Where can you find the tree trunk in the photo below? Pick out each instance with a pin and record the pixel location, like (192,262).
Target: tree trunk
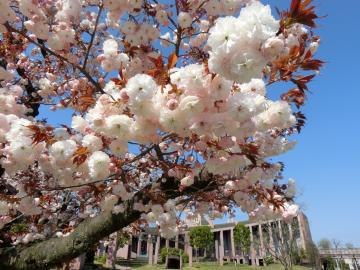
(56,251)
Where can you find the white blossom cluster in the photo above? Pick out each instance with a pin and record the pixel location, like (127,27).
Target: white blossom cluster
(212,109)
(7,14)
(119,7)
(165,218)
(8,99)
(139,34)
(288,213)
(112,59)
(241,47)
(227,7)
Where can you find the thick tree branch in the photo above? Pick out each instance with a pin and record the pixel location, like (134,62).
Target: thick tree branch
(56,251)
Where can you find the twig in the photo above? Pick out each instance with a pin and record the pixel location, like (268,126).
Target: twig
(82,70)
(92,37)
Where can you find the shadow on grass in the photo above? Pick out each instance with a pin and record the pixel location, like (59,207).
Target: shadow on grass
(226,266)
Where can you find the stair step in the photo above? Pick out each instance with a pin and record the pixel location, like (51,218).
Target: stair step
(132,262)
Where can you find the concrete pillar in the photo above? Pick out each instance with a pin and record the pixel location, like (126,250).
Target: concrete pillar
(252,252)
(177,241)
(217,250)
(187,242)
(138,250)
(157,247)
(129,248)
(262,252)
(232,243)
(302,236)
(221,248)
(355,264)
(290,233)
(190,255)
(337,264)
(167,243)
(112,248)
(147,244)
(271,239)
(281,232)
(150,249)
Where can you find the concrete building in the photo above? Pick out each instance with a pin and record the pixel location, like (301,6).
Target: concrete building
(350,256)
(266,237)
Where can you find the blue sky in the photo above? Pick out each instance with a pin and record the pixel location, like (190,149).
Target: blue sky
(325,162)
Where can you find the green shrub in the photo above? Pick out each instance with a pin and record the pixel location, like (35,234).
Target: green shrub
(19,228)
(330,263)
(269,260)
(100,259)
(298,256)
(122,239)
(344,265)
(242,237)
(201,237)
(173,252)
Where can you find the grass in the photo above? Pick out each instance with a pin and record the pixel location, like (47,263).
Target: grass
(216,266)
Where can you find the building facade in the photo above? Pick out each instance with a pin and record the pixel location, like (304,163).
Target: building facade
(350,256)
(266,237)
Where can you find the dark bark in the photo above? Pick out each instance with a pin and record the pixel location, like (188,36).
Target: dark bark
(2,171)
(54,252)
(32,99)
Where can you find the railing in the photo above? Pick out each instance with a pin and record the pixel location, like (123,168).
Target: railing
(340,252)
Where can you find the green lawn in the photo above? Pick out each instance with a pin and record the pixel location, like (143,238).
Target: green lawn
(216,266)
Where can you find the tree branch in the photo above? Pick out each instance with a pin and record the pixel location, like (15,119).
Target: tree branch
(81,69)
(55,251)
(92,37)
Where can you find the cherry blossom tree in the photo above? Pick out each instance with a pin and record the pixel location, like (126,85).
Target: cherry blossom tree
(170,112)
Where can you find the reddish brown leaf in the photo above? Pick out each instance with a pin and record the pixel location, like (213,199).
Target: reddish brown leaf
(302,81)
(80,155)
(300,118)
(172,60)
(300,12)
(312,64)
(295,4)
(41,134)
(296,96)
(158,62)
(119,82)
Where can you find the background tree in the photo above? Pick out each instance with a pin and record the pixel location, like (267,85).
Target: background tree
(242,238)
(173,252)
(336,243)
(312,255)
(325,244)
(349,245)
(122,239)
(201,237)
(280,242)
(168,111)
